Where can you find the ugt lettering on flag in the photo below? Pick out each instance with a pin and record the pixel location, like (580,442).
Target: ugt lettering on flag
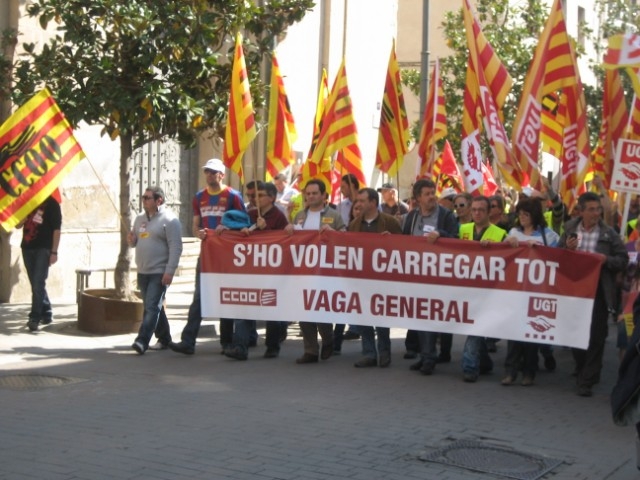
(37,150)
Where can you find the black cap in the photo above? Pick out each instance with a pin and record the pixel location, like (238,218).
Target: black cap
(386,186)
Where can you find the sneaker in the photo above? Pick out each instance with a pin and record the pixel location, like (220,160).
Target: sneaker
(138,347)
(33,325)
(366,362)
(159,346)
(271,353)
(236,353)
(46,321)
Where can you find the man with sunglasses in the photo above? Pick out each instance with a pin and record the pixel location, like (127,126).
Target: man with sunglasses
(157,238)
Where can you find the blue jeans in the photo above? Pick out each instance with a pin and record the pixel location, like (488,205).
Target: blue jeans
(368,337)
(36,262)
(154,318)
(194,319)
(428,350)
(475,357)
(242,333)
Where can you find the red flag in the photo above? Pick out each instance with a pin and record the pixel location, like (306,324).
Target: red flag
(38,151)
(447,168)
(241,129)
(393,135)
(493,83)
(281,131)
(434,125)
(490,186)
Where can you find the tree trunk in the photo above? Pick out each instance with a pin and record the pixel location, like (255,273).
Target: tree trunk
(121,275)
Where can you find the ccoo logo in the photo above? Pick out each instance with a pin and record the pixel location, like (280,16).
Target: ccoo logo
(249,296)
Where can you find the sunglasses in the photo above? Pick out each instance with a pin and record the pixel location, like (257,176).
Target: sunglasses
(148,197)
(460,205)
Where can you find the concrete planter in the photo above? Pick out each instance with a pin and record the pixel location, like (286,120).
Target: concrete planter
(100,313)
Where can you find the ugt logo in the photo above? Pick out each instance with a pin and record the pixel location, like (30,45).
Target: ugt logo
(541,310)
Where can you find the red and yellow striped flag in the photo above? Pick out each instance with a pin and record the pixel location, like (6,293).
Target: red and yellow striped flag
(446,169)
(615,118)
(37,150)
(338,127)
(623,51)
(241,129)
(310,169)
(494,83)
(393,135)
(552,124)
(349,160)
(434,125)
(553,69)
(281,131)
(470,135)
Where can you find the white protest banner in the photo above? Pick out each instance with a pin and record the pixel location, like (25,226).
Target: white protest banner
(534,294)
(625,176)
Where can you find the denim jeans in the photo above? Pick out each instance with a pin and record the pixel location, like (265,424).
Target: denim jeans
(368,336)
(154,318)
(194,317)
(428,350)
(475,357)
(275,331)
(242,333)
(36,262)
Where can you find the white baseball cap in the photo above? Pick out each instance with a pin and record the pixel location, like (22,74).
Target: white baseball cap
(214,164)
(448,192)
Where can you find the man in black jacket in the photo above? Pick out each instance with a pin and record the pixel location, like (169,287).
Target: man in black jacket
(589,233)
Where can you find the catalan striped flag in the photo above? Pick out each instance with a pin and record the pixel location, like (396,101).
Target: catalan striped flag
(471,129)
(623,51)
(553,69)
(321,170)
(494,83)
(632,131)
(393,135)
(338,128)
(434,125)
(37,150)
(615,118)
(349,160)
(552,124)
(281,131)
(241,129)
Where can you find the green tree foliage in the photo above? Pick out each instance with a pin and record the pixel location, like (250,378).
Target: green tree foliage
(148,70)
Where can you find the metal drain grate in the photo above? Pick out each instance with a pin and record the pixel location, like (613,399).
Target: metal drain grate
(480,457)
(35,382)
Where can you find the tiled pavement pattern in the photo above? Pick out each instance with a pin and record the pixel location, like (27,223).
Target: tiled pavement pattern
(168,416)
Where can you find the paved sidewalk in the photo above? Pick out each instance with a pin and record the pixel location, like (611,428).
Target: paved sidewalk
(166,416)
